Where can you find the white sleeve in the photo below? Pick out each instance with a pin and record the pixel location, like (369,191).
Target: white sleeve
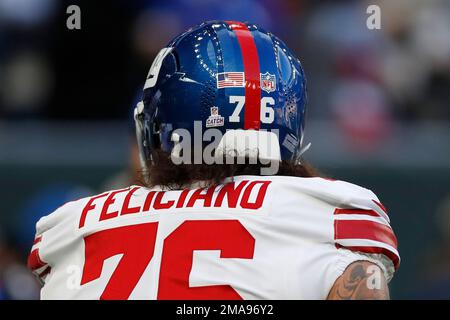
(48,238)
(362,231)
(327,264)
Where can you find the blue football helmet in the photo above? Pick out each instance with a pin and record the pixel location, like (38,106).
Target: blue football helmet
(229,76)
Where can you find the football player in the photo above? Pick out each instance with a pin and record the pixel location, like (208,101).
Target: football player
(229,209)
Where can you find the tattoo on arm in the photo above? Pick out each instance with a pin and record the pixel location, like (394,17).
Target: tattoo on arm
(362,280)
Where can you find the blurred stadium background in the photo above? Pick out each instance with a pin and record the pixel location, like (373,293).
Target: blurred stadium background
(379,110)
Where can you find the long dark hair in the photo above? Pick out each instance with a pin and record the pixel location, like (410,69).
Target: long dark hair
(164,173)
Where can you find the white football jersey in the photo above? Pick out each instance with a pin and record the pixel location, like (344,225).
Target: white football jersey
(252,238)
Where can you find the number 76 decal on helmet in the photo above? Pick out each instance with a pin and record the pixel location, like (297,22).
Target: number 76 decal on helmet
(267,113)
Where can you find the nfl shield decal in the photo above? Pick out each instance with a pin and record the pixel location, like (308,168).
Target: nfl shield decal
(268,82)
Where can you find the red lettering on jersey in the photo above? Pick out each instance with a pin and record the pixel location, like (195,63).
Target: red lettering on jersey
(128,241)
(126,203)
(228,236)
(231,192)
(198,195)
(148,200)
(89,206)
(182,198)
(245,201)
(187,199)
(105,215)
(160,205)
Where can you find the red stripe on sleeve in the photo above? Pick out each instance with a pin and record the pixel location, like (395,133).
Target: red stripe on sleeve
(37,240)
(34,261)
(356,211)
(250,58)
(379,204)
(45,272)
(364,229)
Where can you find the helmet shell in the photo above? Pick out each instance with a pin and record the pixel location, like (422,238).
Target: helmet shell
(207,73)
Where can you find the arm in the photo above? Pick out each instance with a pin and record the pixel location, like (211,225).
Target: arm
(362,280)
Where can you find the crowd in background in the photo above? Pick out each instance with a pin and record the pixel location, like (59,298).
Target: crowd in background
(400,73)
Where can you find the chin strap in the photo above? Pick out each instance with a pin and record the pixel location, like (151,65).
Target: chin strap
(138,111)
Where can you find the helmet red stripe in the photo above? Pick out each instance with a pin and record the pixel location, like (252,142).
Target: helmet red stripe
(252,75)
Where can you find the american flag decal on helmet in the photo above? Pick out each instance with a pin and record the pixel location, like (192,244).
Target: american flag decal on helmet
(230,80)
